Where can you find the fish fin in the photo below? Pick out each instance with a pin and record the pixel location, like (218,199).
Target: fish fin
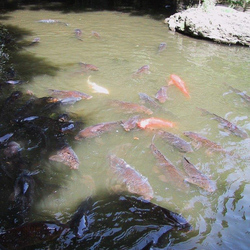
(170,82)
(56,158)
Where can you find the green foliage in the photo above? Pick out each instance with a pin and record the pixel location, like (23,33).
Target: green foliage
(238,3)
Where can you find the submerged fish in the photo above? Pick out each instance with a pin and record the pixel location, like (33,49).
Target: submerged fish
(51,21)
(177,81)
(131,107)
(149,100)
(201,140)
(97,130)
(86,67)
(153,123)
(244,96)
(78,34)
(162,47)
(142,70)
(175,141)
(68,94)
(171,173)
(227,124)
(12,149)
(196,177)
(31,233)
(34,41)
(161,95)
(96,88)
(131,123)
(131,179)
(67,156)
(95,34)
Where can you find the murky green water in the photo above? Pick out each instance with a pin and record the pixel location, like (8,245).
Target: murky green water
(219,219)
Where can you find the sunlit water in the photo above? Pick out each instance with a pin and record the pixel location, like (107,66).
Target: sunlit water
(219,219)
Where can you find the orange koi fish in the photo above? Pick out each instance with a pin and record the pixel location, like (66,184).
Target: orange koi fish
(153,123)
(176,80)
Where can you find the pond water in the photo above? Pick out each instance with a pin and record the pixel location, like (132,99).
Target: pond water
(220,219)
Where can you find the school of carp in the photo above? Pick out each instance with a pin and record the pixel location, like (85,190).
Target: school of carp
(46,132)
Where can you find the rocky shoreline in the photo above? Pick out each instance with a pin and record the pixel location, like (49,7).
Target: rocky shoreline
(220,24)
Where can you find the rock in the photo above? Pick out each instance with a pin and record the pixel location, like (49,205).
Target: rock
(220,24)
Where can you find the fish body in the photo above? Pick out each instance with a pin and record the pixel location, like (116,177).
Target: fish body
(201,140)
(12,149)
(171,173)
(95,34)
(142,70)
(162,47)
(51,21)
(96,130)
(175,141)
(153,123)
(88,67)
(31,233)
(244,96)
(69,94)
(96,88)
(35,41)
(131,107)
(196,177)
(131,123)
(67,156)
(149,100)
(133,181)
(78,34)
(177,81)
(161,95)
(227,125)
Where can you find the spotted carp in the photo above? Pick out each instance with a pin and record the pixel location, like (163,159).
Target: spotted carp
(201,140)
(152,123)
(227,124)
(174,140)
(67,156)
(129,178)
(98,129)
(161,95)
(131,123)
(68,94)
(196,177)
(131,107)
(178,82)
(142,70)
(244,96)
(31,233)
(171,173)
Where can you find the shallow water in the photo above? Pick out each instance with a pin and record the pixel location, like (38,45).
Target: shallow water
(219,219)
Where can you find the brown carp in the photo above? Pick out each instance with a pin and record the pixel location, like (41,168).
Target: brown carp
(244,96)
(227,124)
(171,173)
(203,141)
(196,177)
(127,177)
(142,70)
(175,141)
(131,123)
(96,130)
(161,95)
(67,94)
(31,233)
(131,107)
(67,156)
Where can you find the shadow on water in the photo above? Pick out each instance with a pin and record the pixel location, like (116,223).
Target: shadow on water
(26,64)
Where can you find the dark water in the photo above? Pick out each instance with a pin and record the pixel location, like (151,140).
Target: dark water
(219,219)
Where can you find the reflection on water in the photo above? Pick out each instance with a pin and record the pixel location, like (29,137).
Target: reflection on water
(126,43)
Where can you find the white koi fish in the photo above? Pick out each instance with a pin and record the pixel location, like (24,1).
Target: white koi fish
(96,88)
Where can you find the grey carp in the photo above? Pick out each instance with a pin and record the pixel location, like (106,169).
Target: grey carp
(131,123)
(131,179)
(161,95)
(131,107)
(162,47)
(196,177)
(149,100)
(174,140)
(227,125)
(96,130)
(142,70)
(244,96)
